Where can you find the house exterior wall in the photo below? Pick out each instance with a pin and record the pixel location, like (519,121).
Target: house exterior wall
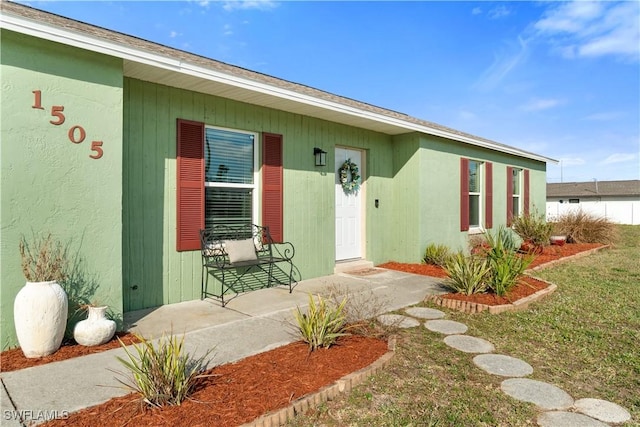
(161,274)
(48,183)
(439,221)
(621,210)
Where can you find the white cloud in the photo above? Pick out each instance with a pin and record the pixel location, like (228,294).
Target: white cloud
(498,12)
(174,34)
(502,65)
(476,11)
(593,29)
(618,158)
(541,104)
(249,4)
(227,30)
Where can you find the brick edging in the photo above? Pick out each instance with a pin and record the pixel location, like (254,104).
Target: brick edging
(570,258)
(473,307)
(280,416)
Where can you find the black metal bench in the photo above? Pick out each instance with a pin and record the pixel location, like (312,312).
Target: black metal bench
(244,257)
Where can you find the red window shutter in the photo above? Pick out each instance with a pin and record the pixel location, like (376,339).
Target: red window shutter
(464,194)
(190,174)
(272,185)
(526,192)
(509,195)
(488,195)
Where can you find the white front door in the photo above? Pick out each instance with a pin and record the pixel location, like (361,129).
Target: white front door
(348,210)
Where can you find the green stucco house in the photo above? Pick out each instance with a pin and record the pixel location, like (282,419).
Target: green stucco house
(124,149)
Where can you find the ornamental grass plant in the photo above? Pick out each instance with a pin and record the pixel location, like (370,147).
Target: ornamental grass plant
(322,324)
(43,259)
(582,227)
(162,373)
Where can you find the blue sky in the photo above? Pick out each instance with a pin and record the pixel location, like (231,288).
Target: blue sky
(561,79)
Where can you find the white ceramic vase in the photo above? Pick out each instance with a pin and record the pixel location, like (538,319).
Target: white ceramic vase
(40,318)
(96,329)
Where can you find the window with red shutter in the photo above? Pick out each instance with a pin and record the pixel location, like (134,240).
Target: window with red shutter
(190,176)
(272,185)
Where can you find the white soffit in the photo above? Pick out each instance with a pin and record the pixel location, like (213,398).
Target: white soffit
(148,66)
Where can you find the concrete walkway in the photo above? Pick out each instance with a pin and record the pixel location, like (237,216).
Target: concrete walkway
(560,409)
(252,323)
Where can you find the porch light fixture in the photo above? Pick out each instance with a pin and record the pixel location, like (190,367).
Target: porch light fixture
(321,156)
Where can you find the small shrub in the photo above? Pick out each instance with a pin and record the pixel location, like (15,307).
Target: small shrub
(582,227)
(467,274)
(436,255)
(534,228)
(323,324)
(162,374)
(43,259)
(360,311)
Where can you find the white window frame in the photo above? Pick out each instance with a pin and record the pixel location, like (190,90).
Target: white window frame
(517,195)
(255,199)
(477,228)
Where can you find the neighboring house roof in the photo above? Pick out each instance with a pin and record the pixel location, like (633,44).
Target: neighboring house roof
(157,63)
(594,188)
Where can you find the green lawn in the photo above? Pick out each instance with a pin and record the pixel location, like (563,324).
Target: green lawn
(584,338)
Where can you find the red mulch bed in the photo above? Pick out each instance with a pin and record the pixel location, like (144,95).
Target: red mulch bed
(12,360)
(241,392)
(526,287)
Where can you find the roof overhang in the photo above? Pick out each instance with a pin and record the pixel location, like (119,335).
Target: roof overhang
(146,65)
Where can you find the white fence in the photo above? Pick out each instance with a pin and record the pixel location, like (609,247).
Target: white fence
(621,212)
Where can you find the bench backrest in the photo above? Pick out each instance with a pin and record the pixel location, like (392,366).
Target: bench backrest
(214,241)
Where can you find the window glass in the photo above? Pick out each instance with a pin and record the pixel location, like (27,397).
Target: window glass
(229,177)
(474,193)
(228,156)
(474,210)
(474,179)
(516,181)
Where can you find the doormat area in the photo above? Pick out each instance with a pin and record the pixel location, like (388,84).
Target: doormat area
(365,272)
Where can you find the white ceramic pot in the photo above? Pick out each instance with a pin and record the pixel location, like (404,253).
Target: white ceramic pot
(40,318)
(96,329)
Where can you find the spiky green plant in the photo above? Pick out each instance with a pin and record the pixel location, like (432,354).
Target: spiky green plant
(467,274)
(162,374)
(322,324)
(505,271)
(436,255)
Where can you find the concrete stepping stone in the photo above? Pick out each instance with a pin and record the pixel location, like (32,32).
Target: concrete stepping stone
(602,410)
(567,419)
(506,366)
(447,327)
(544,395)
(424,313)
(398,320)
(469,344)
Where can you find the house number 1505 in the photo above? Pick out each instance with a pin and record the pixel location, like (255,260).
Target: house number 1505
(76,133)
